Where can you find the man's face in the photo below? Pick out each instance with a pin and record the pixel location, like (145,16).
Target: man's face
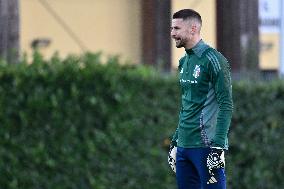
(180,32)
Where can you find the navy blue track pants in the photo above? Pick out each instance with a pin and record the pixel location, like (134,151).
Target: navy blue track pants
(192,172)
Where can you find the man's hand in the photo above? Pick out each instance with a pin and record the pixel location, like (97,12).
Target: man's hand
(215,159)
(172,157)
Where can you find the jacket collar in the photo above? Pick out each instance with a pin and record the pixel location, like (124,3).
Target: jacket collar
(198,49)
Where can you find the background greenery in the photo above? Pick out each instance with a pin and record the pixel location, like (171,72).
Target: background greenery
(83,123)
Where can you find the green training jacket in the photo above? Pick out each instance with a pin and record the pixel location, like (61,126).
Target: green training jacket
(206,102)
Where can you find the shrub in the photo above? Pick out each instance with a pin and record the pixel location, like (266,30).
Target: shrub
(83,123)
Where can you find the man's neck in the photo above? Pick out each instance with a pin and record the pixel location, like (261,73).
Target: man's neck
(193,42)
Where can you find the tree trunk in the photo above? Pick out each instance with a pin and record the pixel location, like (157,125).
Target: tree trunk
(9,30)
(156,42)
(237,33)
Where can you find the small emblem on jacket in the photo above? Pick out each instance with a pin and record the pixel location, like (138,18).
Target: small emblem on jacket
(196,71)
(181,71)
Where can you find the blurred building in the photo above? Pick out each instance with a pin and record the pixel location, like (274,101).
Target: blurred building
(269,27)
(115,27)
(75,26)
(136,30)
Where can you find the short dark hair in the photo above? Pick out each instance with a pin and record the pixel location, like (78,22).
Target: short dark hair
(187,14)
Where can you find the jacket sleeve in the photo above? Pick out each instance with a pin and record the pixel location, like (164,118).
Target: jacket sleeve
(219,70)
(174,138)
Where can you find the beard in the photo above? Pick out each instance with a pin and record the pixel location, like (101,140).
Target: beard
(180,43)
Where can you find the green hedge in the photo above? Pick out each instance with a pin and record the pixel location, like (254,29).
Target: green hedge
(77,123)
(256,157)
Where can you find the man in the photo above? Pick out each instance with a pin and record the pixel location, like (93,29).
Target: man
(206,107)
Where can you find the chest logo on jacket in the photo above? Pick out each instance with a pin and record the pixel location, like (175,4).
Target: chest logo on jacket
(196,71)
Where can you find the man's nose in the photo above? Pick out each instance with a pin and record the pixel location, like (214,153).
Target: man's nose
(173,33)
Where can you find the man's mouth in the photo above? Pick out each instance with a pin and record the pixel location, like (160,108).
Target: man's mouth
(177,40)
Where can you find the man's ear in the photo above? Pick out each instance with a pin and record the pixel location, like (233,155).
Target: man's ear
(193,29)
